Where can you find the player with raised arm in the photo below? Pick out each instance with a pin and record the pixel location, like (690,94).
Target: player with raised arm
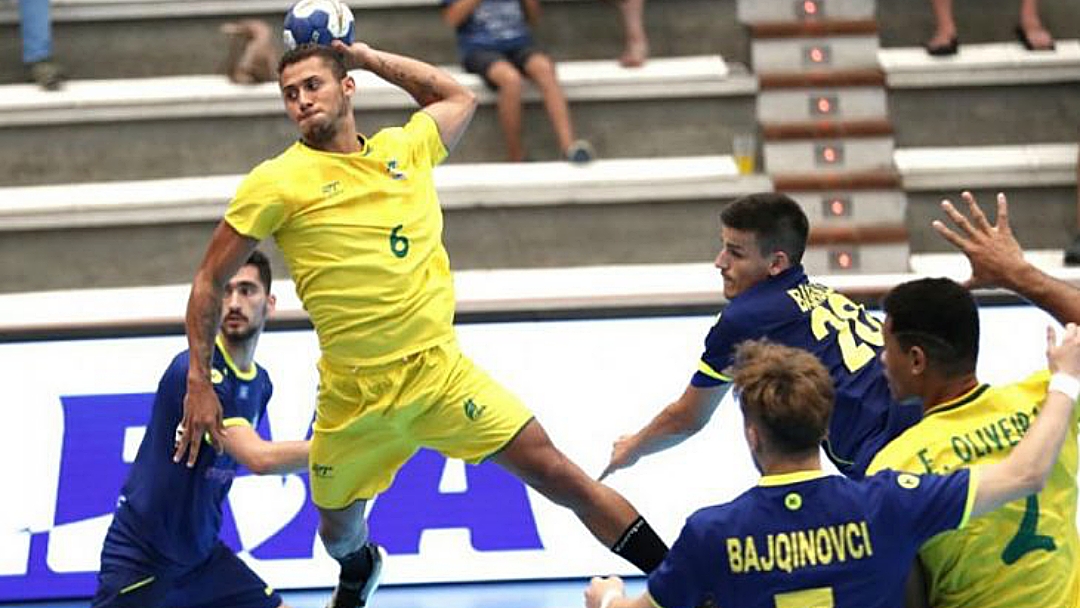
(360,225)
(764,237)
(803,538)
(1027,553)
(162,549)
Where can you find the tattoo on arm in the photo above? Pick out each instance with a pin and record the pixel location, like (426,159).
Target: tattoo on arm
(203,324)
(425,83)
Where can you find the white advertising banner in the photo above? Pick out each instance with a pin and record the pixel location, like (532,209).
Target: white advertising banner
(73,415)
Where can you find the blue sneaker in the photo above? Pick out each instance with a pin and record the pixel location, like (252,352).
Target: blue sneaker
(580,152)
(348,595)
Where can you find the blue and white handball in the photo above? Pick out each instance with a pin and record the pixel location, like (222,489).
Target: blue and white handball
(318,22)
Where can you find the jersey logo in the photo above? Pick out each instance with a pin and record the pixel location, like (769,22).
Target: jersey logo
(908,481)
(242,394)
(331,188)
(216,376)
(392,169)
(323,471)
(472,410)
(793,501)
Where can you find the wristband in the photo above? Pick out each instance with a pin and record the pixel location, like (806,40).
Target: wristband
(1065,384)
(609,597)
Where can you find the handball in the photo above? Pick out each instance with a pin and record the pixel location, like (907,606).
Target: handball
(318,22)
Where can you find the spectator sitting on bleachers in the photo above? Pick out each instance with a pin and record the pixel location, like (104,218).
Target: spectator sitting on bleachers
(252,55)
(495,43)
(35,28)
(1029,29)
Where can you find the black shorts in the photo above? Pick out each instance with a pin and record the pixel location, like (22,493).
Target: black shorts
(478,61)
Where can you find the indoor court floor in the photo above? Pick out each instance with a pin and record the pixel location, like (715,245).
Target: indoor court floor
(527,594)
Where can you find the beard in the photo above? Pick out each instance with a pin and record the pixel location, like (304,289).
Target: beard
(322,134)
(240,334)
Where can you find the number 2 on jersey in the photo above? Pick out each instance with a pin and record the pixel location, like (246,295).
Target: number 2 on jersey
(1027,538)
(855,330)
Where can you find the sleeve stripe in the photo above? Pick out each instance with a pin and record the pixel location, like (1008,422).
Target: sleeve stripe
(235,422)
(710,372)
(973,487)
(652,600)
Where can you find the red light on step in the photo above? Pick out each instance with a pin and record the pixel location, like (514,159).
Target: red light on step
(817,54)
(838,207)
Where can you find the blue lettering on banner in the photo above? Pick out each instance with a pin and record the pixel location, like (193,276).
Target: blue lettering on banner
(494,508)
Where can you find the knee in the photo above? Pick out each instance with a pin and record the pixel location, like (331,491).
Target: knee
(341,538)
(508,83)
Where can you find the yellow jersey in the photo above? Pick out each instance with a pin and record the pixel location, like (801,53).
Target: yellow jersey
(1025,554)
(362,235)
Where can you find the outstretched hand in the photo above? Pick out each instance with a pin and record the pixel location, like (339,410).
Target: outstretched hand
(358,55)
(991,249)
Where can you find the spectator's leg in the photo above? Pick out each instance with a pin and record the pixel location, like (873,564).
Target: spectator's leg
(636,41)
(35,26)
(944,25)
(541,70)
(507,80)
(1030,28)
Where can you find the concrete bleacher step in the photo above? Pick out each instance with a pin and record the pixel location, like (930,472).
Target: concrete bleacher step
(828,147)
(103,39)
(198,125)
(790,47)
(772,11)
(797,104)
(542,214)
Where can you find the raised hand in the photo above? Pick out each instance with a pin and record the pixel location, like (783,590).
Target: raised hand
(991,249)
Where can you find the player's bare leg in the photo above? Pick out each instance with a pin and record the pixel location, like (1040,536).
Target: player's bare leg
(534,459)
(508,80)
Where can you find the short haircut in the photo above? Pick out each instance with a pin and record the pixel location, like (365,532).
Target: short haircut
(777,222)
(259,260)
(331,58)
(785,390)
(940,317)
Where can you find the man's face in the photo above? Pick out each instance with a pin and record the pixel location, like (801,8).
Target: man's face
(314,99)
(897,364)
(245,306)
(740,261)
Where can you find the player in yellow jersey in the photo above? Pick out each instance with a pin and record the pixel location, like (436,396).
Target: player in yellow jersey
(359,223)
(1027,553)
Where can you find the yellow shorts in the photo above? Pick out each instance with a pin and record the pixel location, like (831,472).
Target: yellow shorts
(370,420)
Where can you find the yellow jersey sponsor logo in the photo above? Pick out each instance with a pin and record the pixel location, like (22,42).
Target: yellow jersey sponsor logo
(216,376)
(793,501)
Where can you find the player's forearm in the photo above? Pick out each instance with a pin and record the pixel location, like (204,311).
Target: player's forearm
(280,457)
(201,324)
(1056,297)
(1027,468)
(674,425)
(456,14)
(426,83)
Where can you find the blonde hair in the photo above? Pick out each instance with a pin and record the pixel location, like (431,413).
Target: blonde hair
(786,391)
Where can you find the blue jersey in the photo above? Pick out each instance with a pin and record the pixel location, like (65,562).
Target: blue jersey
(495,25)
(168,516)
(807,539)
(788,309)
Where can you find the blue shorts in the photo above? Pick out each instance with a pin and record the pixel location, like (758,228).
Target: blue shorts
(222,581)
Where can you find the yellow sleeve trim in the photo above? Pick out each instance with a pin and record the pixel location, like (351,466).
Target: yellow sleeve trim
(710,372)
(138,585)
(974,475)
(235,422)
(652,600)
